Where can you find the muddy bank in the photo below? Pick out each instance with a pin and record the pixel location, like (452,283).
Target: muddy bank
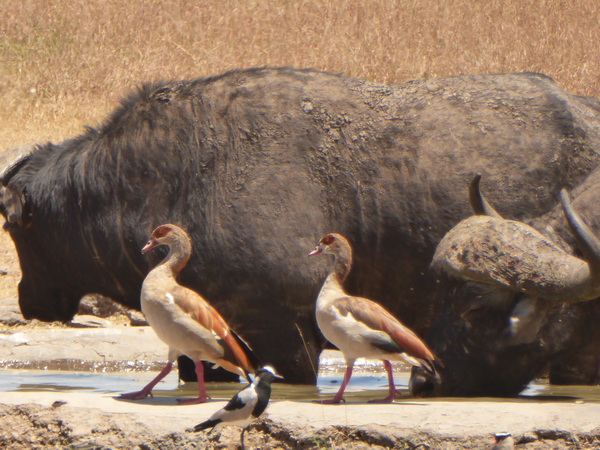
(95,420)
(33,425)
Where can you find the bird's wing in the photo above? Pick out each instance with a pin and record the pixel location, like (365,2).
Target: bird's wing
(244,397)
(210,423)
(202,312)
(236,411)
(239,409)
(378,318)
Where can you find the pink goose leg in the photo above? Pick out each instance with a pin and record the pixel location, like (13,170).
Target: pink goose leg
(340,394)
(392,391)
(202,396)
(148,389)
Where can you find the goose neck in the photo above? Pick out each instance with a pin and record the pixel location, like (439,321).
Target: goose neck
(177,258)
(341,266)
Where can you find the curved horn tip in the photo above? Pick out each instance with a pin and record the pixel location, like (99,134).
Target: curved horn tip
(479,204)
(587,241)
(475,196)
(12,161)
(474,186)
(565,198)
(571,215)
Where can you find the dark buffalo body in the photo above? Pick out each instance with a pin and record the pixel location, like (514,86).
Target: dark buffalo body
(258,164)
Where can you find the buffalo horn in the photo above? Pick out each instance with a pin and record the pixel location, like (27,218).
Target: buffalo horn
(12,161)
(513,255)
(586,240)
(479,204)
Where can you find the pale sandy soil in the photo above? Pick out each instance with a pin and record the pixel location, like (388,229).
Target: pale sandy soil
(99,420)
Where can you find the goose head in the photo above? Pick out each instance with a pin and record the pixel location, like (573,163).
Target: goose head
(333,244)
(167,234)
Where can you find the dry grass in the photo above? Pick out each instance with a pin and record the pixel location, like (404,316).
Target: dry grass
(64,63)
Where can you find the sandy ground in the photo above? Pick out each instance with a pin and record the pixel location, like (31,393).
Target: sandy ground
(102,420)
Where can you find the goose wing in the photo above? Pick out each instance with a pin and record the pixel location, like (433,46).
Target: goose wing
(377,318)
(208,317)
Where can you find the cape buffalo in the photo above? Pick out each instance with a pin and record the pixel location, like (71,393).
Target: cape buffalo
(258,164)
(516,297)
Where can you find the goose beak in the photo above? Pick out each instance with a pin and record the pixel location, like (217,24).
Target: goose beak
(150,245)
(316,251)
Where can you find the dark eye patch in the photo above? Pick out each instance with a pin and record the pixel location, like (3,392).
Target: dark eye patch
(328,240)
(161,231)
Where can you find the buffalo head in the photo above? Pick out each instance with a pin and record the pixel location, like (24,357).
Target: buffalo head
(15,206)
(510,300)
(48,239)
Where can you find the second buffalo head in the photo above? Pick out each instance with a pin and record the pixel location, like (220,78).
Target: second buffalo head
(510,301)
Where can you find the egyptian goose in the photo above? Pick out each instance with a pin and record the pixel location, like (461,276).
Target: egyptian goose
(184,321)
(249,403)
(359,327)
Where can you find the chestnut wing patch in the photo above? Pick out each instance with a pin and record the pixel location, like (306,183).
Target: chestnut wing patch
(374,316)
(200,310)
(236,350)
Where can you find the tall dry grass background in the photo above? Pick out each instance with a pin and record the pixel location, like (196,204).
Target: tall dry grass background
(65,63)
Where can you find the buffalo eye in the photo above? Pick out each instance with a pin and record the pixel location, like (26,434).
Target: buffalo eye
(476,298)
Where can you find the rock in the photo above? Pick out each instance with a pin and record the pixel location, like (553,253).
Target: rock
(10,314)
(99,306)
(87,321)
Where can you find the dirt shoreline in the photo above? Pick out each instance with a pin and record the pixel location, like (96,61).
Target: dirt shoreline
(46,419)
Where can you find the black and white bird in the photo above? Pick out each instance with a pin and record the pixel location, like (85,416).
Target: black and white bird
(249,403)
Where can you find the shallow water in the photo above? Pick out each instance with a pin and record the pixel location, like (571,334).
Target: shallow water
(365,385)
(116,383)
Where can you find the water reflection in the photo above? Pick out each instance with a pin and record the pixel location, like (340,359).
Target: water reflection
(365,385)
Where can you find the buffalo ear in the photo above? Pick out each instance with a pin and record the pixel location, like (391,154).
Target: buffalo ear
(13,205)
